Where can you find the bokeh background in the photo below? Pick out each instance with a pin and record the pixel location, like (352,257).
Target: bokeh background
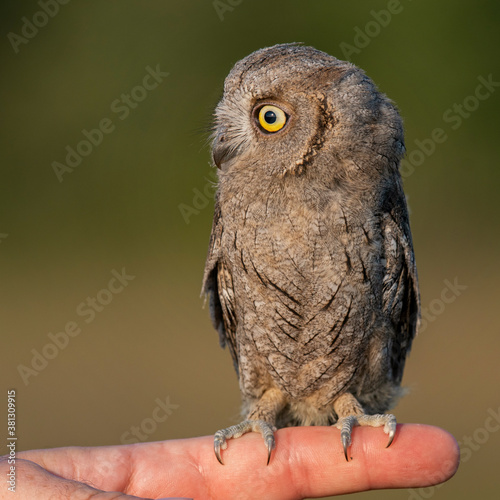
(142,200)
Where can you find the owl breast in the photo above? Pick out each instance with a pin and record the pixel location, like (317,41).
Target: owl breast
(302,275)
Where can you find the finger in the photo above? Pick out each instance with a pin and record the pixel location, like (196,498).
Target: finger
(33,481)
(145,470)
(419,456)
(310,461)
(105,467)
(307,462)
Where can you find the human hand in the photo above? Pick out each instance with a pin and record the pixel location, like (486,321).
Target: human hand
(307,462)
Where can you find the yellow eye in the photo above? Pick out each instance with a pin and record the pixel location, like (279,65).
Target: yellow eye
(272,118)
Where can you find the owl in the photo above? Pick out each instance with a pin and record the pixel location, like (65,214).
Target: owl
(310,273)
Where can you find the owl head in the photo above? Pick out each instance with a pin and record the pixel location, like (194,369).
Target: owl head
(291,109)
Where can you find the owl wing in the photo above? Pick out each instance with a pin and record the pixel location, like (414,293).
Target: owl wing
(218,285)
(401,300)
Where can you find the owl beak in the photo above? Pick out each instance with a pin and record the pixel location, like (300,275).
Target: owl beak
(221,151)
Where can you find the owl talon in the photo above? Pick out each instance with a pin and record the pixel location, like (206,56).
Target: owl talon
(390,427)
(219,443)
(235,431)
(269,449)
(270,443)
(345,445)
(391,438)
(346,424)
(217,454)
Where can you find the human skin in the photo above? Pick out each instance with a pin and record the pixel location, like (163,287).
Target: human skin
(308,462)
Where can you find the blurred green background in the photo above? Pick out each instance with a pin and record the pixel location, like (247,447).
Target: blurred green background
(121,208)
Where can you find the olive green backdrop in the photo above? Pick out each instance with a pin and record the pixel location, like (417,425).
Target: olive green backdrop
(139,202)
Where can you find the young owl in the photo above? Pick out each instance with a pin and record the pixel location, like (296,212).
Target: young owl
(310,270)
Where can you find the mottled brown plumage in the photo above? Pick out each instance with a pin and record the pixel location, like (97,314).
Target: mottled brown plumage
(310,270)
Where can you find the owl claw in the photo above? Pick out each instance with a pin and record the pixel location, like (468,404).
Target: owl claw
(345,445)
(270,445)
(390,428)
(217,454)
(220,443)
(346,424)
(391,439)
(235,431)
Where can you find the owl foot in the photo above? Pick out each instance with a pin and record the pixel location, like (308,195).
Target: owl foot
(346,424)
(235,431)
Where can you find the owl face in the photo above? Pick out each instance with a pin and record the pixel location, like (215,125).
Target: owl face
(289,108)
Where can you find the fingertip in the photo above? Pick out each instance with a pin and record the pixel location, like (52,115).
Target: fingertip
(420,455)
(438,451)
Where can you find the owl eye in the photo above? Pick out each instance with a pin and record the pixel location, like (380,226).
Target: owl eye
(271,118)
